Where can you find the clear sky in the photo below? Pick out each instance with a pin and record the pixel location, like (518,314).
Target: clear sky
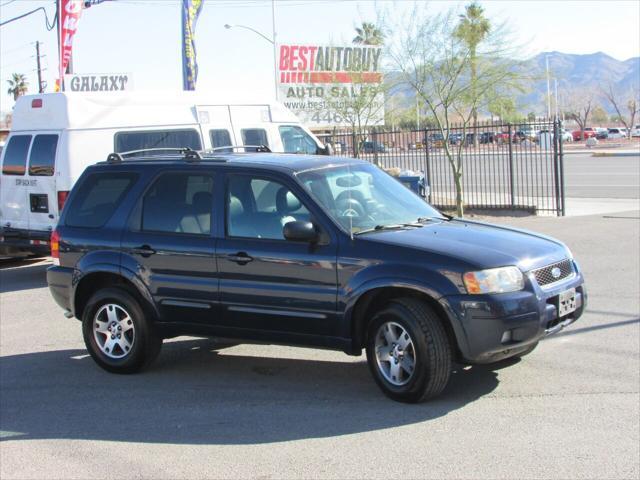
(142,37)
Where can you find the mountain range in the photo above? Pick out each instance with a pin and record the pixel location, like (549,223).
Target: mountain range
(573,73)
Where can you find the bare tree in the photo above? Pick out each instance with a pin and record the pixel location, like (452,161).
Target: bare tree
(579,107)
(434,61)
(626,105)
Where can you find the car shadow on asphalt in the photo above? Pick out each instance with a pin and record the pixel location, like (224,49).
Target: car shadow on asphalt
(23,275)
(200,393)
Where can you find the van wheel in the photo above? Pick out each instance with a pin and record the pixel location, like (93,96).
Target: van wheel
(408,351)
(117,333)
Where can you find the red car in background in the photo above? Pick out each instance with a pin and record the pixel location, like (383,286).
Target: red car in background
(588,133)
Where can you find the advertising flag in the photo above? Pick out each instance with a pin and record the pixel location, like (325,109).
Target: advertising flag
(190,12)
(70,11)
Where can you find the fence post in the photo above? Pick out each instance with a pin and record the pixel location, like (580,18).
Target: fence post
(354,146)
(561,160)
(376,160)
(512,183)
(556,169)
(427,183)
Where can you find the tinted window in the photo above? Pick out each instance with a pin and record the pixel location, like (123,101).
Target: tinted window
(15,158)
(254,136)
(179,203)
(128,141)
(220,138)
(97,198)
(296,140)
(43,155)
(259,208)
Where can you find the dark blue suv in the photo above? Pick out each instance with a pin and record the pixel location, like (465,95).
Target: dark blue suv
(293,249)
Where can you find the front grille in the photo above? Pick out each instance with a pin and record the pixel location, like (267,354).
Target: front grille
(544,276)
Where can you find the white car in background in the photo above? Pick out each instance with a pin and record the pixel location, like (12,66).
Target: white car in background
(636,131)
(617,132)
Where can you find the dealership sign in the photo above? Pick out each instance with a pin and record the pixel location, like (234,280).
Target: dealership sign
(111,82)
(329,86)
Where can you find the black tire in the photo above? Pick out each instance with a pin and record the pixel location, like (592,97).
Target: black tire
(146,345)
(431,348)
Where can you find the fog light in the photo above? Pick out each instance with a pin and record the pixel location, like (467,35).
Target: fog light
(506,337)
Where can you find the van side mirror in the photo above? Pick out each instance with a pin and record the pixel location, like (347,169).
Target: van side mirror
(326,150)
(300,231)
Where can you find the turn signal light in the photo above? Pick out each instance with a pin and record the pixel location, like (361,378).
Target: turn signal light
(55,247)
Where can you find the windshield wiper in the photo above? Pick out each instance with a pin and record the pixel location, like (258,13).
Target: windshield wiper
(430,219)
(393,226)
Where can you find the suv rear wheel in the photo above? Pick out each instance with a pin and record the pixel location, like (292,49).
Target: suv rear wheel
(118,335)
(408,351)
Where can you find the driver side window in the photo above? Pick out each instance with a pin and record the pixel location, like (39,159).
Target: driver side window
(260,208)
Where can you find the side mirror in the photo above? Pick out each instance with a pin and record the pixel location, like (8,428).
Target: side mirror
(299,231)
(326,150)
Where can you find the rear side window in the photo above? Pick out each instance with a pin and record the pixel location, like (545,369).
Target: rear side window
(128,141)
(97,198)
(15,158)
(255,137)
(220,138)
(43,155)
(179,203)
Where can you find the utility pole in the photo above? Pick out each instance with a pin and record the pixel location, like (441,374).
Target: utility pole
(275,54)
(40,87)
(548,89)
(555,86)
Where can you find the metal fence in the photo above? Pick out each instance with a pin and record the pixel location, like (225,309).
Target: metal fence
(504,166)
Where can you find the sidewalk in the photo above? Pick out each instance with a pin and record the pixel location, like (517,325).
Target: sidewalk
(596,152)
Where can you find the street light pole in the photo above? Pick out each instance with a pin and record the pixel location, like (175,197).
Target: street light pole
(271,41)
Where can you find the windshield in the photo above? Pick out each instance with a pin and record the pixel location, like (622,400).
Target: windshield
(362,197)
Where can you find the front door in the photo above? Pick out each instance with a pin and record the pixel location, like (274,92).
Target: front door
(170,242)
(266,282)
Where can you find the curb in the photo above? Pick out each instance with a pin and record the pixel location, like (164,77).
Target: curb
(615,154)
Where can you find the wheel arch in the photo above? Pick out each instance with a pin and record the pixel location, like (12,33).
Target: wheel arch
(376,297)
(111,276)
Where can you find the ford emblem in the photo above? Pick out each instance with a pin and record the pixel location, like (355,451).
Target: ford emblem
(556,272)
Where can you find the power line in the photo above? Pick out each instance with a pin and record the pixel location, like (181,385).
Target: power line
(46,17)
(7,3)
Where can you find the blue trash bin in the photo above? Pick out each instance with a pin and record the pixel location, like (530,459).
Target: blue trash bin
(415,183)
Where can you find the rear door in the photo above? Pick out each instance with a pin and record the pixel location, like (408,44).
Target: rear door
(13,194)
(170,240)
(41,196)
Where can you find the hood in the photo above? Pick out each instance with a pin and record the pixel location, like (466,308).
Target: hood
(481,245)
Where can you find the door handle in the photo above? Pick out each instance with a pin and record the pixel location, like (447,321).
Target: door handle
(145,251)
(241,258)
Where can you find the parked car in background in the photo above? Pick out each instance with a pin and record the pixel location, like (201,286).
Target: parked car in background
(636,131)
(434,140)
(522,135)
(589,132)
(502,137)
(616,132)
(487,137)
(372,147)
(455,138)
(566,135)
(602,133)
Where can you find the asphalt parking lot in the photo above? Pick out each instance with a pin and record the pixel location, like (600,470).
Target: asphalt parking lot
(211,410)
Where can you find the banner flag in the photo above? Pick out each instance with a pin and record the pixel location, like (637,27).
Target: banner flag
(70,11)
(190,12)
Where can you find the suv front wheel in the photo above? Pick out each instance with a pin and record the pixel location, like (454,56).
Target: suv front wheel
(408,351)
(118,335)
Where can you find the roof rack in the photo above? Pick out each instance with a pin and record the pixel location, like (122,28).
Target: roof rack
(187,153)
(259,148)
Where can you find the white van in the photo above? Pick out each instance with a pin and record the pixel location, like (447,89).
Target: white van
(54,137)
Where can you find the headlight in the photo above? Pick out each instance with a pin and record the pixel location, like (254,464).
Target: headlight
(494,280)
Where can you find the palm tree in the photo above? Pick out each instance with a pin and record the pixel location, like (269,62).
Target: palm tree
(472,29)
(368,34)
(18,85)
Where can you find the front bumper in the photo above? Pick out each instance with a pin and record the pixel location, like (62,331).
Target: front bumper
(16,241)
(495,327)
